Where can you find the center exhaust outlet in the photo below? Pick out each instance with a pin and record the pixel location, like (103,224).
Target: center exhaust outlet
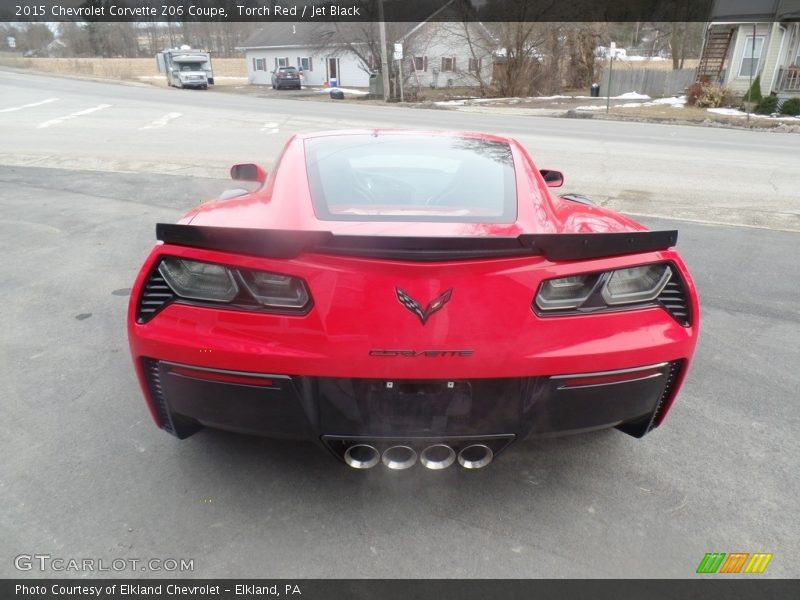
(475,456)
(438,456)
(399,457)
(362,456)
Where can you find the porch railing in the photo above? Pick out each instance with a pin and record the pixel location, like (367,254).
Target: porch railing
(789,79)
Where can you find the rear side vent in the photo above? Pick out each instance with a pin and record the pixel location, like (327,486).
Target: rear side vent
(156,294)
(669,387)
(176,424)
(675,299)
(153,376)
(639,427)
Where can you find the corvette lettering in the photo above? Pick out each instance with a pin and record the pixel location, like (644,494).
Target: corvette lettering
(428,353)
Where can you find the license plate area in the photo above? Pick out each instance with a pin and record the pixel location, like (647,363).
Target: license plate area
(386,407)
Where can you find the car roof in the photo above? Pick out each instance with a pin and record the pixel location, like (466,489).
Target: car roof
(406,132)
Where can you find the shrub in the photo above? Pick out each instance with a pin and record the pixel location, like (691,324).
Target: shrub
(754,94)
(791,107)
(767,105)
(693,93)
(714,96)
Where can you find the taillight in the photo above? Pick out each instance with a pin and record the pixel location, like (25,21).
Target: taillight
(603,290)
(235,286)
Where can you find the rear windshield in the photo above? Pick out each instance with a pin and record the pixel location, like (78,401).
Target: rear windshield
(387,177)
(287,69)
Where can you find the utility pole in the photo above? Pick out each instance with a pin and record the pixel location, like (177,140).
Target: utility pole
(612,49)
(384,60)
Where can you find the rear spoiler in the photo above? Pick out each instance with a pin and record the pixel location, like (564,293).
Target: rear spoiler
(275,243)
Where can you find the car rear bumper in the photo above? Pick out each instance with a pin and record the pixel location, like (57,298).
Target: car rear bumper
(185,398)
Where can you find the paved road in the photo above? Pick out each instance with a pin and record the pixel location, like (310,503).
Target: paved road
(85,473)
(697,173)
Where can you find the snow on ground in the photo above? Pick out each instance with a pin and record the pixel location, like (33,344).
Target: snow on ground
(451,103)
(735,112)
(639,58)
(631,96)
(593,107)
(730,112)
(328,90)
(679,102)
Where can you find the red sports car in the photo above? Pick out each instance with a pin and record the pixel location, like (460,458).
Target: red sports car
(405,297)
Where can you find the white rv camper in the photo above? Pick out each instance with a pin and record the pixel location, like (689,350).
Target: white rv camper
(186,68)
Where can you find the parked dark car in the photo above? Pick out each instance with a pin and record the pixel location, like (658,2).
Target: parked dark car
(286,77)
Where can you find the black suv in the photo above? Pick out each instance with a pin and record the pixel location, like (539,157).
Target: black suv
(286,77)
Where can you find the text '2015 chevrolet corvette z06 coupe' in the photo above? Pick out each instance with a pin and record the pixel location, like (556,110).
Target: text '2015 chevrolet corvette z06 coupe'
(410,297)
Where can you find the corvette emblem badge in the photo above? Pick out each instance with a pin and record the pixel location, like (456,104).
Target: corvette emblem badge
(435,305)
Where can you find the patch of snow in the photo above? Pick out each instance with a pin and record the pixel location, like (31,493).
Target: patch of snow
(631,105)
(735,112)
(679,101)
(595,107)
(341,89)
(631,96)
(731,112)
(451,103)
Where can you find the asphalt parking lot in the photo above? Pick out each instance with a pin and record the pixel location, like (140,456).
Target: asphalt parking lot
(86,473)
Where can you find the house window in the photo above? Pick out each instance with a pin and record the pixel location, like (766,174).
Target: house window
(448,63)
(474,65)
(420,63)
(751,56)
(281,62)
(259,64)
(797,58)
(305,63)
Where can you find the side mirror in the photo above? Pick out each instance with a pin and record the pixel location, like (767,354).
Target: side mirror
(248,172)
(552,178)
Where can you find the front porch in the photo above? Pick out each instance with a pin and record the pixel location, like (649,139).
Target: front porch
(788,82)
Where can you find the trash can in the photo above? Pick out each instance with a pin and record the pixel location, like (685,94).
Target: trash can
(334,82)
(594,92)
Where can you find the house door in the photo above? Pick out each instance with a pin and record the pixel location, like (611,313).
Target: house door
(333,70)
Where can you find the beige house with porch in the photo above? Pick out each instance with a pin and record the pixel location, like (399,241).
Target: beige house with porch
(748,38)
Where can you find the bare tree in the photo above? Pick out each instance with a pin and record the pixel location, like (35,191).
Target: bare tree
(520,56)
(35,36)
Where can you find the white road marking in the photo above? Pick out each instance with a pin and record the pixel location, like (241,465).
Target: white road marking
(161,121)
(31,105)
(270,128)
(72,116)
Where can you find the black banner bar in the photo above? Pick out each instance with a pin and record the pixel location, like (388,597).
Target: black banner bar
(232,11)
(739,588)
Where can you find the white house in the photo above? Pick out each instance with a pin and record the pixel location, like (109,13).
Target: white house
(436,54)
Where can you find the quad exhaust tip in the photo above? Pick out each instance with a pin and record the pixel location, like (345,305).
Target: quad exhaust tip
(475,456)
(362,456)
(438,456)
(435,457)
(398,458)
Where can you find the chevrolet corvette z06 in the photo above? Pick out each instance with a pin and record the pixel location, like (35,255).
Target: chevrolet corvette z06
(407,298)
